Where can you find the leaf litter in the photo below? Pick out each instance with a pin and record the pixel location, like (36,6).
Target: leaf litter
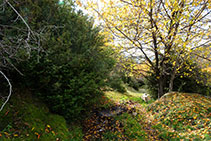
(178,116)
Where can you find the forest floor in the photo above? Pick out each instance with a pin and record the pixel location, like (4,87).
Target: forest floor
(116,116)
(177,116)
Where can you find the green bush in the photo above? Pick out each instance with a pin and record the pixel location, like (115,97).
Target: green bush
(133,82)
(197,82)
(115,82)
(190,85)
(74,65)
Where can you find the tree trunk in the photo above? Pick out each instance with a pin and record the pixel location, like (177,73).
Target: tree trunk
(171,83)
(160,87)
(173,74)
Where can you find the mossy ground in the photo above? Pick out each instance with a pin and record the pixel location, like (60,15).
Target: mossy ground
(26,118)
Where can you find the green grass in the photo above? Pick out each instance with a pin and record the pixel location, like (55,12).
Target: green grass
(26,118)
(133,130)
(111,136)
(130,94)
(132,127)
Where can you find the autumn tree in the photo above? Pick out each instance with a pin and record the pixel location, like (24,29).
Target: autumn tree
(162,31)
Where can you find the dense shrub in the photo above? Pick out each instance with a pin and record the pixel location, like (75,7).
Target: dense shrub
(133,82)
(74,65)
(191,85)
(196,82)
(115,82)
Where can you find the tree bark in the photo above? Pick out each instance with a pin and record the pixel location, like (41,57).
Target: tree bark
(160,86)
(171,83)
(173,73)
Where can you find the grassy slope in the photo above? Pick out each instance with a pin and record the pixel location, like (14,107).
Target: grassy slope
(132,129)
(26,118)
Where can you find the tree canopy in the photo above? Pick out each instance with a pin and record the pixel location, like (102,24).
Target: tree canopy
(161,32)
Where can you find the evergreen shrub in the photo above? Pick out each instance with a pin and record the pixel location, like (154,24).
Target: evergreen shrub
(74,64)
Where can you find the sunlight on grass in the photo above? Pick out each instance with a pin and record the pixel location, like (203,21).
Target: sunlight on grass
(130,94)
(116,96)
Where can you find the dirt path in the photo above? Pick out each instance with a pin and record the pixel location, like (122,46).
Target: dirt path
(103,120)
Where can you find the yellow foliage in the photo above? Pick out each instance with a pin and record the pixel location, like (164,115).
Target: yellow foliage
(129,24)
(208,69)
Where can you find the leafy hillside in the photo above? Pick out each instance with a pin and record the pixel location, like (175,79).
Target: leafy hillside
(182,115)
(26,118)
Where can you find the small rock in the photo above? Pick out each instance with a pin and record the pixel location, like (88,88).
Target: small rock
(134,113)
(145,97)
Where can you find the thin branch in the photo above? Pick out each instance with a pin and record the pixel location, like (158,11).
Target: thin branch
(139,44)
(10,91)
(200,56)
(14,67)
(18,15)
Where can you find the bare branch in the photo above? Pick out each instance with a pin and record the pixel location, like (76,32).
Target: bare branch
(10,91)
(19,15)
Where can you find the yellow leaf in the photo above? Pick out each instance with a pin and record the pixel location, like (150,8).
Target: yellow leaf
(53,132)
(78,3)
